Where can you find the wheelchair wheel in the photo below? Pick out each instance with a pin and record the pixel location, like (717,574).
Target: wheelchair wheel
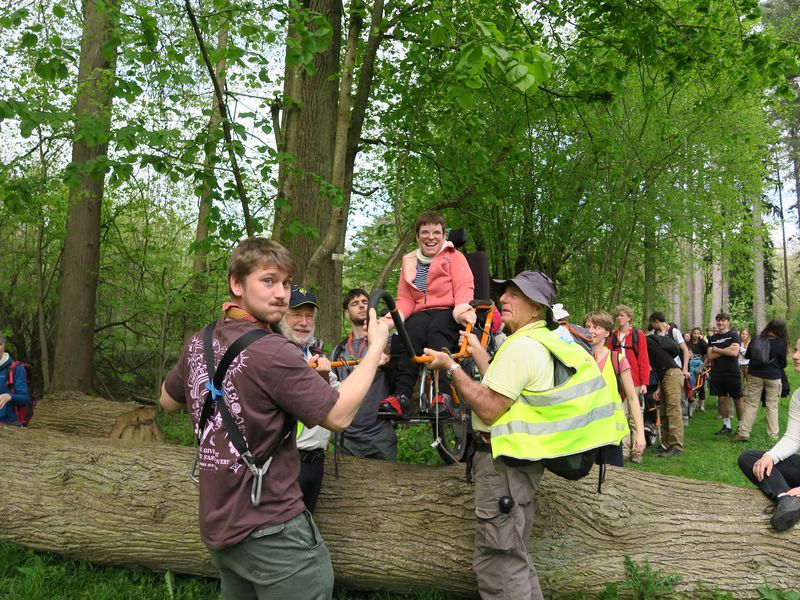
(452,434)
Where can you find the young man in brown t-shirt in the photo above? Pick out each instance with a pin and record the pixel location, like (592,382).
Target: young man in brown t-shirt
(270,548)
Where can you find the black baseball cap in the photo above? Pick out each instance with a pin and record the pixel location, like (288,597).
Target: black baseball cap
(302,295)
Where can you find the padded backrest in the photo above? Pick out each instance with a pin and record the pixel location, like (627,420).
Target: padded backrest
(478,263)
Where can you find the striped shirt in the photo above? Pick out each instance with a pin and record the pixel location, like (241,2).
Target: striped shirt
(421,279)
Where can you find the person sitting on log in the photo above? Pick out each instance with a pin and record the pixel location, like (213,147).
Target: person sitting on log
(435,288)
(776,472)
(14,394)
(253,521)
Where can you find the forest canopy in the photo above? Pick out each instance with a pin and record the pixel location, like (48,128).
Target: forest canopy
(636,152)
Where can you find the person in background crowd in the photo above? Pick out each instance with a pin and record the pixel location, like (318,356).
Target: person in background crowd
(617,372)
(299,324)
(368,436)
(19,396)
(631,344)
(697,348)
(744,337)
(776,472)
(726,379)
(767,357)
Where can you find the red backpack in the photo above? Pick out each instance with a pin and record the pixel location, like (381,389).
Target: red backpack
(24,413)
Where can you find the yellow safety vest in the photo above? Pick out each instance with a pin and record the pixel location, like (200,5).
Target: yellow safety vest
(577,414)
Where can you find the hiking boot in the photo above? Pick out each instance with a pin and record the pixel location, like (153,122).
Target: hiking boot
(394,407)
(787,513)
(724,431)
(670,453)
(439,407)
(739,438)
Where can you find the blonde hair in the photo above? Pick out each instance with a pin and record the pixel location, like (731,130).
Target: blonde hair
(252,253)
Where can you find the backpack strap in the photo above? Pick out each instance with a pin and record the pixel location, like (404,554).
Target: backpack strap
(257,465)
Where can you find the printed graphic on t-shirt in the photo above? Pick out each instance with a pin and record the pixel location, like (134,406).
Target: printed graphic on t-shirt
(211,457)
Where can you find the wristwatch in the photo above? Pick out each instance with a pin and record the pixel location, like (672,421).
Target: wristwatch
(452,369)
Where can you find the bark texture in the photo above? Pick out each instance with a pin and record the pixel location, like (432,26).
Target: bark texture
(81,415)
(389,526)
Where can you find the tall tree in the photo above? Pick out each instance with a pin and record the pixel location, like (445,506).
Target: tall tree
(73,366)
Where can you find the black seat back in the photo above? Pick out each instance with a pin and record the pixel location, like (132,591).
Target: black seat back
(478,263)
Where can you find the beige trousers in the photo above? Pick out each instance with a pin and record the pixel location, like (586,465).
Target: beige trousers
(752,400)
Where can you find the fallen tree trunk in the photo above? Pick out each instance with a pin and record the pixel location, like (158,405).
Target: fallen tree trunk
(84,415)
(388,526)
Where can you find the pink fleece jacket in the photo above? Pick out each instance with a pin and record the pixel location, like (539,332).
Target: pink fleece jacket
(450,284)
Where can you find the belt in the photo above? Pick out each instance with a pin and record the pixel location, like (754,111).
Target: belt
(310,456)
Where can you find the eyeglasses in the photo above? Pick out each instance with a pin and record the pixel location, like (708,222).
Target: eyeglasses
(426,233)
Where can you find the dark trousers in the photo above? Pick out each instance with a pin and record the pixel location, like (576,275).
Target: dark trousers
(435,329)
(785,475)
(311,479)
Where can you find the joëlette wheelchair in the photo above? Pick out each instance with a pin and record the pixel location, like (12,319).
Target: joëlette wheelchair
(451,432)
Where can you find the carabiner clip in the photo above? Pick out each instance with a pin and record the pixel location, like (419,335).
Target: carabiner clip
(193,473)
(258,476)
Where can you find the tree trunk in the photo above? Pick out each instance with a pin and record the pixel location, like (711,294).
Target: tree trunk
(392,526)
(88,416)
(699,291)
(303,208)
(716,283)
(199,265)
(759,292)
(649,273)
(73,367)
(691,318)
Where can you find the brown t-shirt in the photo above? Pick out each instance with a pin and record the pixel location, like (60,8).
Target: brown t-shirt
(268,387)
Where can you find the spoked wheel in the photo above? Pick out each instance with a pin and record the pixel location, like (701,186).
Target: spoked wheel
(452,433)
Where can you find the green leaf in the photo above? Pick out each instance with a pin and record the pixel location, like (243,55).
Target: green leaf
(439,36)
(28,40)
(59,11)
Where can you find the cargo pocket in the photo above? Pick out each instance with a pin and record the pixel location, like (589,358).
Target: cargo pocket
(496,531)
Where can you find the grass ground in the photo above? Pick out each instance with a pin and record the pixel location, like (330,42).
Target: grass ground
(27,575)
(713,457)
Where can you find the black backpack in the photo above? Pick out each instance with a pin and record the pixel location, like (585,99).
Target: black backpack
(668,343)
(759,351)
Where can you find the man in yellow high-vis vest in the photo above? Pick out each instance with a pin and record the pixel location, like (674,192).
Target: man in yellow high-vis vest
(525,410)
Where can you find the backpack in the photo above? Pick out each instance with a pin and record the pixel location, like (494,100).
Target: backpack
(24,413)
(759,351)
(668,343)
(579,465)
(581,336)
(634,345)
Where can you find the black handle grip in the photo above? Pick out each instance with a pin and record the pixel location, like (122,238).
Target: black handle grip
(374,300)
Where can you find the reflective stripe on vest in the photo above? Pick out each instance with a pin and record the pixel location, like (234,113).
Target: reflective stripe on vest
(577,415)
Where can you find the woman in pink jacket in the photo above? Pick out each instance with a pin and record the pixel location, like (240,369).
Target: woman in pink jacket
(433,296)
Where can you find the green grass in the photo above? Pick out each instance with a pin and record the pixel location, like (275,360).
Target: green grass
(712,457)
(28,575)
